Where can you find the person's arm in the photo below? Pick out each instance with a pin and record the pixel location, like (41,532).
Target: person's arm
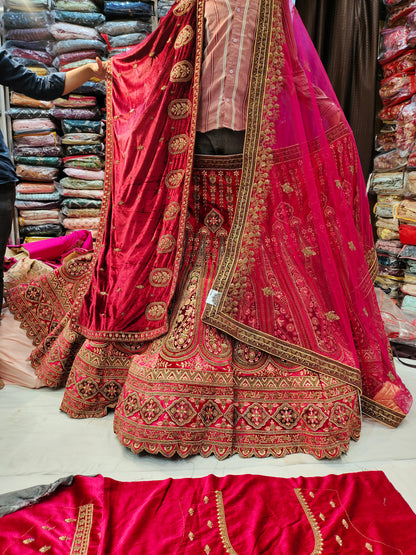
(76,77)
(20,79)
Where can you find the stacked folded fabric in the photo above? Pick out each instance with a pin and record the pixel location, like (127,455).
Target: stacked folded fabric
(80,113)
(163,6)
(127,24)
(36,143)
(394,176)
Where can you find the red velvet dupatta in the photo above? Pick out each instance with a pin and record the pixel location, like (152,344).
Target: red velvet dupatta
(152,97)
(296,277)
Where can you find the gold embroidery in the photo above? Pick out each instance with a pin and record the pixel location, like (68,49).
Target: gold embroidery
(183,7)
(308,251)
(184,37)
(223,525)
(180,108)
(206,499)
(182,72)
(178,144)
(48,527)
(369,547)
(287,188)
(352,246)
(338,183)
(210,524)
(319,544)
(172,210)
(191,511)
(80,543)
(338,539)
(345,523)
(166,244)
(174,178)
(311,494)
(64,538)
(331,316)
(191,536)
(207,549)
(155,311)
(28,540)
(322,517)
(268,292)
(160,277)
(332,504)
(45,548)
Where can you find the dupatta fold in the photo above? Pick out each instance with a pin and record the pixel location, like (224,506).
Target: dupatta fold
(296,278)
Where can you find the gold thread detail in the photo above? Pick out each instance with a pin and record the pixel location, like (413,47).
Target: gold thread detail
(223,525)
(80,543)
(319,543)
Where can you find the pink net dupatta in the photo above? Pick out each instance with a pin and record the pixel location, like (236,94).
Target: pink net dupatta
(296,279)
(152,95)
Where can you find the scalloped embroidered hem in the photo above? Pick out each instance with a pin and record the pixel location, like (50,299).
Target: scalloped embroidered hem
(258,451)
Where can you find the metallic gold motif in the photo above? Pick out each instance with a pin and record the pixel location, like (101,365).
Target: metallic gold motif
(184,37)
(178,144)
(182,72)
(160,277)
(166,244)
(319,543)
(155,311)
(172,210)
(184,7)
(180,108)
(174,178)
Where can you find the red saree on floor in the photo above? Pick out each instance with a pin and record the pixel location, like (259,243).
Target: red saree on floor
(229,306)
(211,515)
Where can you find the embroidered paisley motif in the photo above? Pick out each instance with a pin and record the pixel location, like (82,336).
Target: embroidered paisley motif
(166,244)
(174,178)
(178,144)
(155,311)
(160,277)
(180,108)
(182,72)
(184,37)
(183,7)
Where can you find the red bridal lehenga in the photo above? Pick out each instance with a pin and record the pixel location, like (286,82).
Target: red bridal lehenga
(228,306)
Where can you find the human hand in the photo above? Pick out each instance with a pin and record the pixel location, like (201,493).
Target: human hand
(99,69)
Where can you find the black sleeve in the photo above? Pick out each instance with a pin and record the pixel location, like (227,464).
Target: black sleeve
(20,79)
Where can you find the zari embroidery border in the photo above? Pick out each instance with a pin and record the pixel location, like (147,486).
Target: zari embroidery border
(80,543)
(319,543)
(380,413)
(226,542)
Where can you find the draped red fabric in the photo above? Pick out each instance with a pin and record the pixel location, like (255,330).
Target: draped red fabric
(295,281)
(351,513)
(151,119)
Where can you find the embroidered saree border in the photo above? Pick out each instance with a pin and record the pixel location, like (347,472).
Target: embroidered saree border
(380,412)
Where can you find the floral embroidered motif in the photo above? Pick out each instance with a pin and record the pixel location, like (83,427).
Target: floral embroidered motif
(314,417)
(155,311)
(210,413)
(181,412)
(178,144)
(151,410)
(174,178)
(213,220)
(160,277)
(287,417)
(183,7)
(87,388)
(80,543)
(184,37)
(180,108)
(182,72)
(166,244)
(172,210)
